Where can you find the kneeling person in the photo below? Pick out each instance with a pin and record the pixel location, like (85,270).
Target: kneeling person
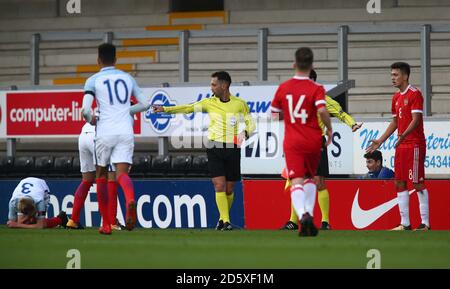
(28,206)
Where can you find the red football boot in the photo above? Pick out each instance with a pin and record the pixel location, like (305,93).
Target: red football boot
(105,230)
(131,216)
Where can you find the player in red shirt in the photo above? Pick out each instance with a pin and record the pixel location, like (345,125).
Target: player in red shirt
(297,101)
(407,110)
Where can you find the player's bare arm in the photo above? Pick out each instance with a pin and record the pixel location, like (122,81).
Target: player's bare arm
(325,117)
(40,224)
(241,137)
(375,144)
(25,219)
(357,126)
(157,108)
(416,119)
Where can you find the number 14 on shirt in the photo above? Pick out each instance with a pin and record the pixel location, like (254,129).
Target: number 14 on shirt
(296,112)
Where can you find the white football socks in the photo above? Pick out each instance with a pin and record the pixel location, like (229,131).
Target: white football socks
(298,200)
(403,204)
(423,205)
(310,189)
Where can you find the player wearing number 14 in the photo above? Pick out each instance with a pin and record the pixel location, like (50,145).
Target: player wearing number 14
(298,100)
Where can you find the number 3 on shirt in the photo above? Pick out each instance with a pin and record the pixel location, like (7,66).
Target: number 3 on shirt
(294,112)
(26,188)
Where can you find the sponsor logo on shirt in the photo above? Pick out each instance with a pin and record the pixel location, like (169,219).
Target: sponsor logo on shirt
(233,121)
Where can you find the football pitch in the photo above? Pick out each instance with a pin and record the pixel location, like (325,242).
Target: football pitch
(239,249)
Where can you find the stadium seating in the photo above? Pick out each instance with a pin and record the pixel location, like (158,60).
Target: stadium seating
(154,63)
(75,171)
(369,54)
(199,166)
(23,166)
(160,166)
(141,165)
(62,166)
(43,166)
(180,166)
(144,165)
(6,164)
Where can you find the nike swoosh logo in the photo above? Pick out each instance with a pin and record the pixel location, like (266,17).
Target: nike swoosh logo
(362,218)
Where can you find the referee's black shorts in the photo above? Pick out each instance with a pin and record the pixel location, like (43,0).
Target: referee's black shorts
(323,170)
(224,160)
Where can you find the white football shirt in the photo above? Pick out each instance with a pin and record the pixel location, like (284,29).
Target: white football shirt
(33,188)
(112,89)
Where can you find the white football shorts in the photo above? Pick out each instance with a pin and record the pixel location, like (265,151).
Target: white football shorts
(114,148)
(86,147)
(86,150)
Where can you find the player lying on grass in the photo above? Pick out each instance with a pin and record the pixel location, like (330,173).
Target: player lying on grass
(28,206)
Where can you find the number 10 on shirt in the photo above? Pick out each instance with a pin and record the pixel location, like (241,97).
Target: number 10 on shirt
(116,90)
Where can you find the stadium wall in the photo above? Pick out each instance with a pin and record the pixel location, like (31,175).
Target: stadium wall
(355,204)
(160,203)
(53,114)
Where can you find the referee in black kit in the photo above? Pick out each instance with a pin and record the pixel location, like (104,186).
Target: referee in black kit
(224,153)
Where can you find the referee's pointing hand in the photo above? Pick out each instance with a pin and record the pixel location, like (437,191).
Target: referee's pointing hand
(157,108)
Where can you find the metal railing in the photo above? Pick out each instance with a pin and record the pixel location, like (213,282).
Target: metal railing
(262,34)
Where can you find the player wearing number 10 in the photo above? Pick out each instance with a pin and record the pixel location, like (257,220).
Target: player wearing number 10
(114,140)
(299,100)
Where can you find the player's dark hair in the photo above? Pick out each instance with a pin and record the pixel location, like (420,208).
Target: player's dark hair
(107,53)
(304,58)
(375,155)
(402,66)
(313,75)
(222,76)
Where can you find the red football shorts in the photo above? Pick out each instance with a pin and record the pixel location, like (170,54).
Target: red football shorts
(409,164)
(301,165)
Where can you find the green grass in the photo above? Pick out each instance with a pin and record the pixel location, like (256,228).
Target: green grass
(188,248)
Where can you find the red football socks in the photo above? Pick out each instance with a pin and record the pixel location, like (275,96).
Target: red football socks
(112,197)
(102,199)
(52,222)
(127,186)
(80,197)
